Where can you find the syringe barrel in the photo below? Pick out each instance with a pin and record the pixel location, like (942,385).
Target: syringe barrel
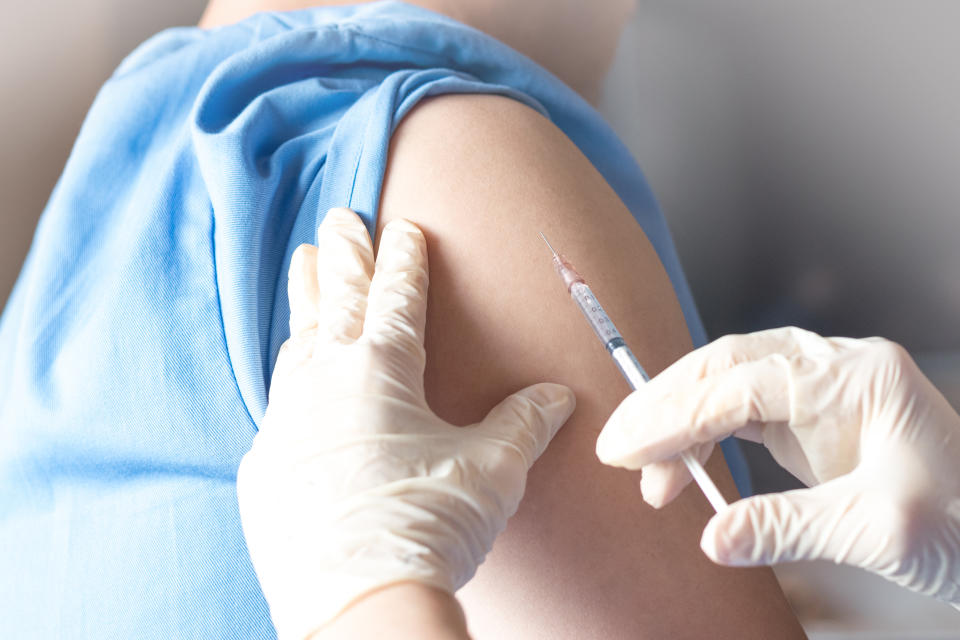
(596,316)
(627,363)
(629,366)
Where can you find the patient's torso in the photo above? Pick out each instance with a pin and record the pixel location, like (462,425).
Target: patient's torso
(139,340)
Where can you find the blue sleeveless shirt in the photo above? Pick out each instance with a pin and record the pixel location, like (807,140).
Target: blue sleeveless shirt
(138,343)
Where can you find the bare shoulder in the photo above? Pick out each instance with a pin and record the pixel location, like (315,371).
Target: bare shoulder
(480,129)
(482,175)
(583,557)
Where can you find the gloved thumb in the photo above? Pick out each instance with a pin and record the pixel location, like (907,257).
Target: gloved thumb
(806,524)
(530,418)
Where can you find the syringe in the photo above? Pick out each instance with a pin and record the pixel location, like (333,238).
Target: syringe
(623,357)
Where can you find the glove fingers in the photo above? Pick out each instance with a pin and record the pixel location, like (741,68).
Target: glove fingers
(661,482)
(825,522)
(397,305)
(530,418)
(706,395)
(731,351)
(344,269)
(652,425)
(302,289)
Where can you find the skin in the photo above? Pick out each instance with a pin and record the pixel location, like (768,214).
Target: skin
(575,40)
(584,556)
(406,611)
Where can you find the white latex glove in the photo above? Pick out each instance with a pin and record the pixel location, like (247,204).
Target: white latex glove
(353,483)
(856,418)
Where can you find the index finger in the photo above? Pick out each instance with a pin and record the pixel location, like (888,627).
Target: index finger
(733,350)
(344,266)
(397,304)
(650,427)
(730,384)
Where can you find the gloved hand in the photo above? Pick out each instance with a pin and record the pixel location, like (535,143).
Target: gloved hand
(352,483)
(855,418)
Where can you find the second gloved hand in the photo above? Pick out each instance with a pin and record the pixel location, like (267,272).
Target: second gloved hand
(352,483)
(854,419)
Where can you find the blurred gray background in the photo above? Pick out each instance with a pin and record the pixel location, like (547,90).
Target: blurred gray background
(806,154)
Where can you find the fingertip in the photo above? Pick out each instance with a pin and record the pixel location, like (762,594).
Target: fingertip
(621,442)
(531,417)
(616,448)
(662,482)
(562,396)
(340,215)
(557,401)
(298,254)
(653,499)
(301,256)
(344,267)
(402,245)
(609,447)
(343,238)
(727,539)
(606,450)
(403,225)
(708,542)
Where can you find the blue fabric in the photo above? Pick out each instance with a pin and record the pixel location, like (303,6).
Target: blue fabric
(138,343)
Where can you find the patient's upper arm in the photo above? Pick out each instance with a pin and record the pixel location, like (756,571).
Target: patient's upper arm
(584,557)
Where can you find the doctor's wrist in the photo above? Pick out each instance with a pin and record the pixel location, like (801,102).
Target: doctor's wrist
(401,611)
